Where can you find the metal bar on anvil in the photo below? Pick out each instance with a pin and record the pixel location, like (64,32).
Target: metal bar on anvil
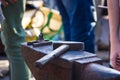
(41,43)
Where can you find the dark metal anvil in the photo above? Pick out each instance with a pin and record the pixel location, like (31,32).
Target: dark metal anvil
(72,65)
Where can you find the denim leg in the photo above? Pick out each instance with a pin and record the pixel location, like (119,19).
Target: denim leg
(77,17)
(65,19)
(81,28)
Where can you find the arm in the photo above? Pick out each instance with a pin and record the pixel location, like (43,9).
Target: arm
(114,21)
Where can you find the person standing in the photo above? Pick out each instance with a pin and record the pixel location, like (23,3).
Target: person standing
(77,18)
(12,36)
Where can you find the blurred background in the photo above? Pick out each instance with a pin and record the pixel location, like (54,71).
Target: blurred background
(43,16)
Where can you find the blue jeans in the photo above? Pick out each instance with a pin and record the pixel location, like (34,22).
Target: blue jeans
(77,17)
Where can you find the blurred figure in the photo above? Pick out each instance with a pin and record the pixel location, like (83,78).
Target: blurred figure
(114,21)
(77,17)
(12,36)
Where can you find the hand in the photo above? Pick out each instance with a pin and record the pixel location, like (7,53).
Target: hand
(115,56)
(5,3)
